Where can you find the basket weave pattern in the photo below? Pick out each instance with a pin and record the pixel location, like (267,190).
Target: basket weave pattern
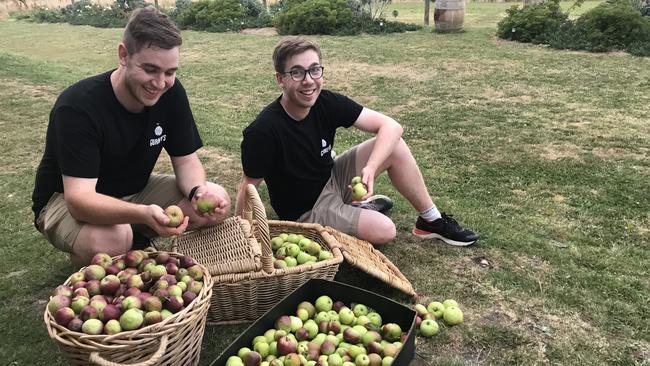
(174,341)
(244,296)
(361,254)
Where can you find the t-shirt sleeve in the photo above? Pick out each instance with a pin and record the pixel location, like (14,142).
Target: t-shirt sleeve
(184,138)
(78,143)
(258,152)
(344,110)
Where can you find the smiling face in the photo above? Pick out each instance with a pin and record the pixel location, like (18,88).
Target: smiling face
(299,96)
(143,77)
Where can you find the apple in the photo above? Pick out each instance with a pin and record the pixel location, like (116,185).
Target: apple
(131,319)
(75,324)
(57,302)
(391,332)
(453,315)
(94,272)
(325,255)
(283,323)
(93,287)
(362,360)
(234,361)
(262,348)
(252,358)
(327,348)
(62,290)
(185,261)
(303,257)
(346,316)
(102,259)
(358,191)
(292,359)
(112,327)
(449,302)
(323,303)
(76,277)
(162,257)
(429,327)
(188,297)
(63,316)
(387,361)
(175,215)
(195,272)
(290,261)
(355,180)
(436,308)
(78,303)
(174,304)
(152,317)
(110,312)
(421,310)
(375,359)
(133,258)
(109,284)
(205,204)
(360,309)
(92,326)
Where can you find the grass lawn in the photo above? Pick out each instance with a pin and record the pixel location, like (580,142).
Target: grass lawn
(545,153)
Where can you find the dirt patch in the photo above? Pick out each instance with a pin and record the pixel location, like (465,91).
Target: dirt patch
(268,31)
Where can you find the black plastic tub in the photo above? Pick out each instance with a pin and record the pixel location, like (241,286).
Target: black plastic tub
(390,311)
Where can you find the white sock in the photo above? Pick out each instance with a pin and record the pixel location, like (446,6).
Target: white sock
(431,214)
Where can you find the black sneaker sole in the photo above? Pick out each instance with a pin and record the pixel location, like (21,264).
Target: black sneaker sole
(427,235)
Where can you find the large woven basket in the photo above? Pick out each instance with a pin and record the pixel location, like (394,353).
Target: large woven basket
(174,341)
(240,296)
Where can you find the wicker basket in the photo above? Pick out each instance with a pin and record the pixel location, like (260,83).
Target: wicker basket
(361,254)
(174,341)
(244,296)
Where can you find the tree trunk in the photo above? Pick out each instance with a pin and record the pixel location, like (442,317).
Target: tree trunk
(426,12)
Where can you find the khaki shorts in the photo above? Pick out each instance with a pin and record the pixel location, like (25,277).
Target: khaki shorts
(59,227)
(332,208)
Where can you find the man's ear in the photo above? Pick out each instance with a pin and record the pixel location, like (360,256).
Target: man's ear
(122,54)
(279,78)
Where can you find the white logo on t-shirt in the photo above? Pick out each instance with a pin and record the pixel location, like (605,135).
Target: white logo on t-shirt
(158,132)
(325,149)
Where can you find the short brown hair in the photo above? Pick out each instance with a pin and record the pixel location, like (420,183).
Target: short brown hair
(150,27)
(289,47)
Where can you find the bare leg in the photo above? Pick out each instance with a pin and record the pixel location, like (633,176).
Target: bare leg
(92,239)
(403,172)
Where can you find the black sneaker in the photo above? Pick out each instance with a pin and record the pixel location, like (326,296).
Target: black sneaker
(445,229)
(378,202)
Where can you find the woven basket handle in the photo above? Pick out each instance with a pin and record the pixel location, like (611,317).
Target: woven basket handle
(95,358)
(254,211)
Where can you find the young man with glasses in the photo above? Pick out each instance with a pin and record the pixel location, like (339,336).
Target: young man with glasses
(289,147)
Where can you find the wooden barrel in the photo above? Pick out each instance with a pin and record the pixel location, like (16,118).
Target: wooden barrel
(449,15)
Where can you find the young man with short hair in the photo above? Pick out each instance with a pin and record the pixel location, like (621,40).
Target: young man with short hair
(94,186)
(289,143)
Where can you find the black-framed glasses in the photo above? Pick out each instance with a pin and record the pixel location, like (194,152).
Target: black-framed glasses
(315,72)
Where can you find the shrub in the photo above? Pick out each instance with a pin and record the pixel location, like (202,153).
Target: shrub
(532,23)
(84,12)
(222,15)
(613,25)
(316,17)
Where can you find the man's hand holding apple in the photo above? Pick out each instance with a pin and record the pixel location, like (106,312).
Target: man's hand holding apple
(166,222)
(210,201)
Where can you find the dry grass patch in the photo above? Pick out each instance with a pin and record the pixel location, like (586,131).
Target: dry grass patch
(220,167)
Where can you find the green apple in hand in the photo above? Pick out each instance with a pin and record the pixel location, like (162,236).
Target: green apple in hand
(358,191)
(175,215)
(205,204)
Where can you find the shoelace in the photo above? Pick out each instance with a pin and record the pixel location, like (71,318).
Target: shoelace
(451,221)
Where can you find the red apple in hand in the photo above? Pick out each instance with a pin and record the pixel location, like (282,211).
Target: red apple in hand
(175,215)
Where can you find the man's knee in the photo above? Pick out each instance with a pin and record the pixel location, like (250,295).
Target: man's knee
(111,239)
(378,231)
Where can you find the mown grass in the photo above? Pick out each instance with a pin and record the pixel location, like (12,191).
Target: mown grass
(543,152)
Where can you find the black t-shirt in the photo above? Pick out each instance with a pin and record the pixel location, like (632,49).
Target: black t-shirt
(91,135)
(294,157)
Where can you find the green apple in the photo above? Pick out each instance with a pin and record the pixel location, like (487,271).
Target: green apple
(358,191)
(175,215)
(356,180)
(360,309)
(205,204)
(453,315)
(276,243)
(450,302)
(323,303)
(436,308)
(429,327)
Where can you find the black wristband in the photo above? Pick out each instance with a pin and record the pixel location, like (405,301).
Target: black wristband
(192,192)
